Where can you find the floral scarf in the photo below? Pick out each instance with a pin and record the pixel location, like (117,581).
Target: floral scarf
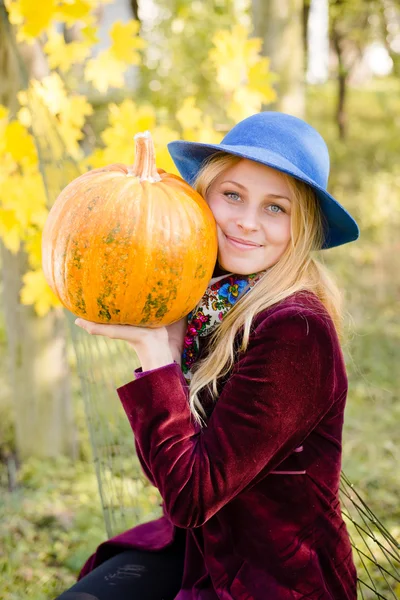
(222,293)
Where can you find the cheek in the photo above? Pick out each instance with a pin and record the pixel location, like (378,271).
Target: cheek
(217,209)
(278,230)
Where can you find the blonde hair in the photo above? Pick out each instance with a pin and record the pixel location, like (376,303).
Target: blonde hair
(296,270)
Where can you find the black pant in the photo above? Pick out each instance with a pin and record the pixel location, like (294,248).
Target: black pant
(133,575)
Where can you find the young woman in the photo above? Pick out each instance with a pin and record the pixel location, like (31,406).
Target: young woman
(242,433)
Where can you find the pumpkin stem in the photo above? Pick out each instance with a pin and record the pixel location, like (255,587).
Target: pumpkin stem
(145,164)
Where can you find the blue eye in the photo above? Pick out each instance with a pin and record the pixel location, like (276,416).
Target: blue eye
(235,197)
(230,194)
(276,206)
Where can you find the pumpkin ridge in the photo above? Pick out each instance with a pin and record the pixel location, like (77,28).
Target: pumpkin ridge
(186,220)
(52,229)
(132,251)
(76,218)
(102,275)
(88,273)
(182,248)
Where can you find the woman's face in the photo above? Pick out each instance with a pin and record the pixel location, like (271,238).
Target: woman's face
(250,202)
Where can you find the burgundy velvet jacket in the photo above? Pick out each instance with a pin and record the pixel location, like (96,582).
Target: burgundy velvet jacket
(256,491)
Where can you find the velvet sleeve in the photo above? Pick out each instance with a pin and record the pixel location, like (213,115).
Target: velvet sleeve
(138,374)
(279,390)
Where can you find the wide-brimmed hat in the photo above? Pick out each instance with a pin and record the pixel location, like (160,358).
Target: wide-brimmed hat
(282,142)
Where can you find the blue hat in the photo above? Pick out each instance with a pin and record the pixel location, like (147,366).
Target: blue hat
(282,142)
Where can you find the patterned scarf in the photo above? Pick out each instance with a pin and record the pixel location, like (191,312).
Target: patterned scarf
(222,293)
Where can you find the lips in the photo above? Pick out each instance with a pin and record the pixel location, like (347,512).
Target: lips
(244,242)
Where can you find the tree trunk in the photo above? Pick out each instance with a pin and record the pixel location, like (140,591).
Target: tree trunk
(342,74)
(37,356)
(280,24)
(135,9)
(306,12)
(38,368)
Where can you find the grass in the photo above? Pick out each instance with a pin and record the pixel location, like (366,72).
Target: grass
(48,527)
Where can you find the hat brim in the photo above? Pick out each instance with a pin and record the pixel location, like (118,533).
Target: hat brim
(189,157)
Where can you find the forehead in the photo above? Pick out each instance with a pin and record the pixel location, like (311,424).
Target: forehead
(248,173)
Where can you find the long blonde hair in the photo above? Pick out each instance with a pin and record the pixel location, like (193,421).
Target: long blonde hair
(296,270)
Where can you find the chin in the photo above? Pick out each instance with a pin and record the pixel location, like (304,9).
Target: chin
(231,266)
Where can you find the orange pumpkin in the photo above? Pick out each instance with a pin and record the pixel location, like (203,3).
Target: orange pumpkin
(130,244)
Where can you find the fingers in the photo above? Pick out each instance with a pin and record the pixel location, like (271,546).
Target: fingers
(126,333)
(96,328)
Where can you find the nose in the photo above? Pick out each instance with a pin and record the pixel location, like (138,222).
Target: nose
(248,220)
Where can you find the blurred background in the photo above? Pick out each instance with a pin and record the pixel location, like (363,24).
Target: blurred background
(78,79)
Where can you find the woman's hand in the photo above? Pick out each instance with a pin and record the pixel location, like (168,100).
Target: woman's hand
(151,345)
(135,336)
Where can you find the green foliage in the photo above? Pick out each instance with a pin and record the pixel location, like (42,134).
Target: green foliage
(356,22)
(48,527)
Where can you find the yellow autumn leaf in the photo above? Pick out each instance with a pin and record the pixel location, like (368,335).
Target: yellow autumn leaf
(71,122)
(12,240)
(62,55)
(3,126)
(105,71)
(22,97)
(134,118)
(63,132)
(244,102)
(3,112)
(10,229)
(95,160)
(188,116)
(162,135)
(7,167)
(50,89)
(24,117)
(238,64)
(33,247)
(19,144)
(25,195)
(228,56)
(251,48)
(71,137)
(260,79)
(8,219)
(37,292)
(43,101)
(89,34)
(126,42)
(206,133)
(243,74)
(39,217)
(126,120)
(32,18)
(71,11)
(76,109)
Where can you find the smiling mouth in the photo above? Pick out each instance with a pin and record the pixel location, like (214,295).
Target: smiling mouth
(242,245)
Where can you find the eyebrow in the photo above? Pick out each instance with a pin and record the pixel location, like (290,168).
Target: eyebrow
(244,188)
